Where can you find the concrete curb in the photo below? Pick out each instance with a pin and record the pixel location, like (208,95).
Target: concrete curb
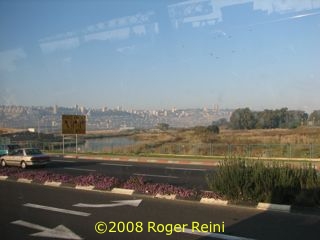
(87,188)
(122,191)
(274,207)
(213,201)
(52,184)
(3,178)
(166,196)
(24,180)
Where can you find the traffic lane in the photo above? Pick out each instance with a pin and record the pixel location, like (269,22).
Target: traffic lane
(241,222)
(89,162)
(84,227)
(182,175)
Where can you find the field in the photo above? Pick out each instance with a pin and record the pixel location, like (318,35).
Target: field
(303,142)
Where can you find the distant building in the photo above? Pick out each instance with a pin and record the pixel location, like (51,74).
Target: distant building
(55,109)
(215,107)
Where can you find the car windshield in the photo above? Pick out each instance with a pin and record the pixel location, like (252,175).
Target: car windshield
(33,151)
(152,59)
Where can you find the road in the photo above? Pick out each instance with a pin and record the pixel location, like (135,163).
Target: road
(179,174)
(30,211)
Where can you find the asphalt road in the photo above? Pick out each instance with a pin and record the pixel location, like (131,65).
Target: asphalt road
(30,211)
(182,175)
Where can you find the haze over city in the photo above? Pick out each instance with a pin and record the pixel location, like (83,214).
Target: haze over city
(160,54)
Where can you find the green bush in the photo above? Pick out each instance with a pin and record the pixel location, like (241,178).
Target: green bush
(273,182)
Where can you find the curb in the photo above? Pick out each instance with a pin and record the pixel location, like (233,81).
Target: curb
(274,207)
(87,188)
(130,192)
(123,191)
(213,201)
(24,180)
(166,196)
(52,184)
(3,178)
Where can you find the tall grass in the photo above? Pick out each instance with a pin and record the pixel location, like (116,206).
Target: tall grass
(273,182)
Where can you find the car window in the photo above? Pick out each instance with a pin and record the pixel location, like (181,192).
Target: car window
(20,152)
(33,151)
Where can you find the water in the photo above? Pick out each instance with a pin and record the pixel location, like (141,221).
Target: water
(104,144)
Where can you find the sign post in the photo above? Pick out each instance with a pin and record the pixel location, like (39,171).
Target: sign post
(73,124)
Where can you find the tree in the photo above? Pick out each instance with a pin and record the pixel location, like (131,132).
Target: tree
(213,129)
(314,118)
(243,118)
(220,122)
(283,117)
(163,126)
(267,119)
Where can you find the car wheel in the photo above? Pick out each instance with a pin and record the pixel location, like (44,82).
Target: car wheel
(3,163)
(23,164)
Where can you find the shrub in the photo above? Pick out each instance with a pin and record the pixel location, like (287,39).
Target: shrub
(252,180)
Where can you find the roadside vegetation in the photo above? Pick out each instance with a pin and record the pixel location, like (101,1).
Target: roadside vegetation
(243,180)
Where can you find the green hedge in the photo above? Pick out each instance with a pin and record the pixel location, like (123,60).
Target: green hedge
(272,182)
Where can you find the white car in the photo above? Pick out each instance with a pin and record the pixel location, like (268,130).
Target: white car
(24,157)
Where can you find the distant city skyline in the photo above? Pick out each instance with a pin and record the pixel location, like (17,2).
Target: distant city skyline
(50,117)
(161,54)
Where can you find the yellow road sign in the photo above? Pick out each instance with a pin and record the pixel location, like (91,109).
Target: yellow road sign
(73,124)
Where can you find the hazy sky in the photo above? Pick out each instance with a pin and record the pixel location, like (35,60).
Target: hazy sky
(152,54)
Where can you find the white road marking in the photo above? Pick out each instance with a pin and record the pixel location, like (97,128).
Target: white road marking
(133,203)
(81,169)
(151,175)
(115,164)
(57,232)
(60,210)
(187,169)
(215,235)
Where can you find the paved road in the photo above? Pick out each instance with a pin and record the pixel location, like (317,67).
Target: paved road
(31,211)
(180,174)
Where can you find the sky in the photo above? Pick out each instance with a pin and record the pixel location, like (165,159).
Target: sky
(150,54)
